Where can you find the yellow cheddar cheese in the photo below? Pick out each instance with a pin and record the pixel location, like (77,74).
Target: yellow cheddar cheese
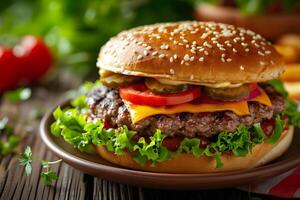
(139,112)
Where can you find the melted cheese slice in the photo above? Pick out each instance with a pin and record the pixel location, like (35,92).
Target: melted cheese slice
(139,112)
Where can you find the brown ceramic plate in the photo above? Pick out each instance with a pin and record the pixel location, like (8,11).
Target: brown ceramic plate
(96,166)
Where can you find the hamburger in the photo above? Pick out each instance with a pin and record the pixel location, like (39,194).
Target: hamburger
(185,97)
(279,16)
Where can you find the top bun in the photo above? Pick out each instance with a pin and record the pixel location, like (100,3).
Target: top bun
(196,52)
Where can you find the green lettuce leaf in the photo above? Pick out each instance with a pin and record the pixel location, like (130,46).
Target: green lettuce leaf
(73,126)
(83,134)
(291,110)
(279,125)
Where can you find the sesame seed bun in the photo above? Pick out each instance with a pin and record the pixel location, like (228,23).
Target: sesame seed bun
(195,52)
(187,163)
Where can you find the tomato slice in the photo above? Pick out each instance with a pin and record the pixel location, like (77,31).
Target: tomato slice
(140,94)
(252,86)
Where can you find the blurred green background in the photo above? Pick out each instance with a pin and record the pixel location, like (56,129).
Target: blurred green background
(75,30)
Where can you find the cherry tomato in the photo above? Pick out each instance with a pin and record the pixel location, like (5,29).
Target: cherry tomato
(9,72)
(140,94)
(34,57)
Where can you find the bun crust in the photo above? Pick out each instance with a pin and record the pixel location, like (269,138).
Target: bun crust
(270,26)
(200,52)
(187,163)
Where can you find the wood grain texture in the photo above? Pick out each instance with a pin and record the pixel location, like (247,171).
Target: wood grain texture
(72,184)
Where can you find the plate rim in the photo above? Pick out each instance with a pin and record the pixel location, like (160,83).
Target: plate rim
(44,132)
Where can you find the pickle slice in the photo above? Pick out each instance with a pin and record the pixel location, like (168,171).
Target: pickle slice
(158,87)
(228,94)
(111,79)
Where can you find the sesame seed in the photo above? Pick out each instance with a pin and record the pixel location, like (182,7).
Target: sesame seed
(171,59)
(242,67)
(247,50)
(261,53)
(139,57)
(145,53)
(139,43)
(172,71)
(175,56)
(193,51)
(154,53)
(222,49)
(149,48)
(262,63)
(267,52)
(234,50)
(257,45)
(194,43)
(206,53)
(185,41)
(162,55)
(244,44)
(228,59)
(207,44)
(182,61)
(223,55)
(191,77)
(192,58)
(201,59)
(175,42)
(222,59)
(145,45)
(186,57)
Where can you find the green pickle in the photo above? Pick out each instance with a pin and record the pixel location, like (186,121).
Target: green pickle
(112,79)
(158,87)
(228,94)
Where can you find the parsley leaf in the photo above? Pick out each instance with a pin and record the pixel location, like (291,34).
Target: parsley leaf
(26,160)
(48,177)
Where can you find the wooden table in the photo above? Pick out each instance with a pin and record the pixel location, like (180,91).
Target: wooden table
(72,183)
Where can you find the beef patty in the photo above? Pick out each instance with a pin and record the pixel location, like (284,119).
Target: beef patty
(106,104)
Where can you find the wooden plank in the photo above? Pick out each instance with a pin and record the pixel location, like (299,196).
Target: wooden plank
(105,190)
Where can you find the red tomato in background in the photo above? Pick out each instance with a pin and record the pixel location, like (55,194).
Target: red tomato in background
(34,57)
(9,69)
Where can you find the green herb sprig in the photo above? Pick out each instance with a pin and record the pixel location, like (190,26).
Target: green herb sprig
(48,175)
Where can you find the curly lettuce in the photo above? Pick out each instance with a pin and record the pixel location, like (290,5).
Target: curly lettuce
(72,124)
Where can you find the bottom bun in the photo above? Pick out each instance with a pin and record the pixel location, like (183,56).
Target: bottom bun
(187,163)
(293,88)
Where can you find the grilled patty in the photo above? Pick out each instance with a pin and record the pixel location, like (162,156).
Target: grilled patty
(106,104)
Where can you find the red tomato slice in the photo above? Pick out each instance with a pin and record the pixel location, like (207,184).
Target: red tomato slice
(252,87)
(140,94)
